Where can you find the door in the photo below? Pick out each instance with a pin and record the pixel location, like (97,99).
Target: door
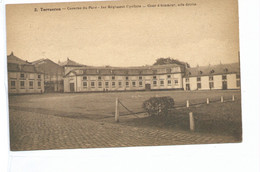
(72,87)
(224,85)
(147,86)
(187,86)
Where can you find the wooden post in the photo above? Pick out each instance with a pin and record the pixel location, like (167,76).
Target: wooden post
(117,111)
(188,103)
(192,124)
(221,99)
(207,101)
(233,98)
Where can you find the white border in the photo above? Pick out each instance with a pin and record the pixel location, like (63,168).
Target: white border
(202,158)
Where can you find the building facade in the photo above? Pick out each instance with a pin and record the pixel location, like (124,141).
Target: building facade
(216,77)
(88,79)
(53,75)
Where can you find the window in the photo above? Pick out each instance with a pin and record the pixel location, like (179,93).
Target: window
(99,84)
(211,85)
(224,77)
(168,76)
(154,77)
(169,82)
(31,84)
(84,78)
(198,85)
(238,76)
(106,84)
(39,76)
(127,84)
(39,84)
(187,80)
(12,84)
(154,83)
(133,83)
(113,77)
(85,84)
(92,84)
(176,82)
(126,78)
(162,83)
(198,79)
(140,84)
(140,78)
(211,78)
(22,75)
(113,84)
(120,84)
(238,83)
(99,77)
(22,84)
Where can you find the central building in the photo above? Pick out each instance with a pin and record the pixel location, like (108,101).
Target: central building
(102,79)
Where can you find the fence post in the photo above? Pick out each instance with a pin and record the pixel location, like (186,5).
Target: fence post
(117,111)
(207,101)
(188,103)
(233,98)
(192,124)
(221,99)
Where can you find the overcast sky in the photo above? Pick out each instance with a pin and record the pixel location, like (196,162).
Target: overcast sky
(201,34)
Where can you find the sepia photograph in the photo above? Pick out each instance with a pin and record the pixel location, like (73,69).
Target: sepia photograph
(123,74)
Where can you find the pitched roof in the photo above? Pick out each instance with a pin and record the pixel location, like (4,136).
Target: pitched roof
(47,66)
(213,69)
(13,59)
(70,63)
(137,70)
(28,68)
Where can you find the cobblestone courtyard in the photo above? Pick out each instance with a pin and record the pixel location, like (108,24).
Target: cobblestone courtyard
(35,131)
(35,128)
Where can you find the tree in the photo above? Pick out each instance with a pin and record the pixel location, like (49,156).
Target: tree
(162,61)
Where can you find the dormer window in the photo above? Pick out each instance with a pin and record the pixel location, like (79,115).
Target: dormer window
(212,71)
(201,72)
(225,70)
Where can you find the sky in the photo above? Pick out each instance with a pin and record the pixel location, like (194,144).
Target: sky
(206,33)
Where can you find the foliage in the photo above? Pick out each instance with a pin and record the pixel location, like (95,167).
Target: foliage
(169,60)
(158,105)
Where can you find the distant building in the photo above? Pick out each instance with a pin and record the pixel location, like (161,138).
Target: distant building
(53,75)
(212,77)
(70,65)
(23,77)
(159,77)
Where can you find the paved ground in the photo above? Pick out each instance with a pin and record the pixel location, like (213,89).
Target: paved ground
(40,131)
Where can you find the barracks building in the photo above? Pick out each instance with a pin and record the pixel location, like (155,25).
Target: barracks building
(23,77)
(46,76)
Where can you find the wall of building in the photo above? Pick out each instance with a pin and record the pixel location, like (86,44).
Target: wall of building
(232,81)
(30,83)
(112,83)
(217,82)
